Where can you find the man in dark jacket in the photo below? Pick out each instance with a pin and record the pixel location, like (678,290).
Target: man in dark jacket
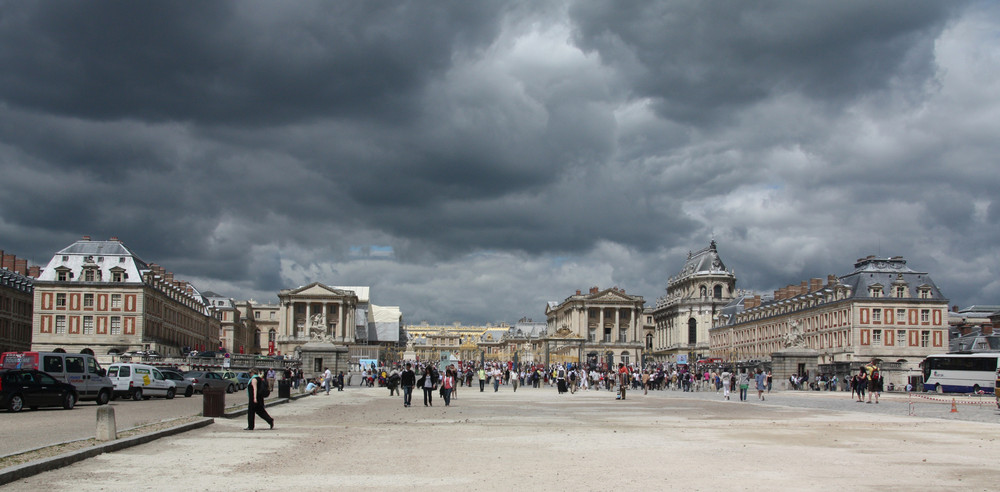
(407,379)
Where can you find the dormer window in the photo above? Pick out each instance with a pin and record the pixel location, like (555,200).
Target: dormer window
(88,275)
(63,274)
(900,291)
(925,293)
(875,291)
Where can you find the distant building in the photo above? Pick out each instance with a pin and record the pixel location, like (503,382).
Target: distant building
(601,327)
(99,297)
(315,312)
(16,299)
(262,323)
(883,309)
(695,296)
(236,330)
(430,341)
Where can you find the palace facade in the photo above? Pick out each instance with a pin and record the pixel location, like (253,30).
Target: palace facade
(883,309)
(601,327)
(99,297)
(695,296)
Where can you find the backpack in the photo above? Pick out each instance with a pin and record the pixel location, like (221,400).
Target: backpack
(263,390)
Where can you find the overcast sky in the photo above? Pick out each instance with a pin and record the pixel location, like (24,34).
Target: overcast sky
(471,161)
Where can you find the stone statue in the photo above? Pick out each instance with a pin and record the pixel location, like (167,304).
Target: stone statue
(794,338)
(317,326)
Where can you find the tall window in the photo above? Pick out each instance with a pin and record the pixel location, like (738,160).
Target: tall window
(60,324)
(925,315)
(900,291)
(116,325)
(116,301)
(925,338)
(88,300)
(718,292)
(692,330)
(877,315)
(900,315)
(60,300)
(901,338)
(876,337)
(88,275)
(88,325)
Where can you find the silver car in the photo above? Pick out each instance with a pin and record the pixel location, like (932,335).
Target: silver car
(184,386)
(209,379)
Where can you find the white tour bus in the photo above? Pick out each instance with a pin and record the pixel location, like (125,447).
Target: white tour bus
(960,373)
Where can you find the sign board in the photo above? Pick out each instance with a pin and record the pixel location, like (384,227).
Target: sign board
(682,359)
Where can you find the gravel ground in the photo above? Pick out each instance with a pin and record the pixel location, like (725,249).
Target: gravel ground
(539,440)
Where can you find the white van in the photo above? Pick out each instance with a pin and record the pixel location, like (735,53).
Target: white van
(80,370)
(138,381)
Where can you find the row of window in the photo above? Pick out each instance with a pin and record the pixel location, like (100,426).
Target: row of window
(925,338)
(900,292)
(91,275)
(88,325)
(925,315)
(88,300)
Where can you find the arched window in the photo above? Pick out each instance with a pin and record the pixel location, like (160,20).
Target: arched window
(272,335)
(692,330)
(718,292)
(87,351)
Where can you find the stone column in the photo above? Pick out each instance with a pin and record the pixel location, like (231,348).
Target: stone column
(600,324)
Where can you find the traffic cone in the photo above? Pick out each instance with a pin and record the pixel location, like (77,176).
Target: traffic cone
(953,408)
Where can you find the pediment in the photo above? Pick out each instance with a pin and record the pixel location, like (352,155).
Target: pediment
(318,289)
(611,295)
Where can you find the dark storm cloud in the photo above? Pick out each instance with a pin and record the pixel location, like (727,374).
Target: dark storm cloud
(704,60)
(509,154)
(231,62)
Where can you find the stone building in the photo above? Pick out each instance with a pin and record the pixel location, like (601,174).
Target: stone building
(16,299)
(316,313)
(883,309)
(236,333)
(429,341)
(264,322)
(695,296)
(99,297)
(601,327)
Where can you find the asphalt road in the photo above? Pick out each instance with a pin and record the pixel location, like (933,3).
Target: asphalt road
(30,429)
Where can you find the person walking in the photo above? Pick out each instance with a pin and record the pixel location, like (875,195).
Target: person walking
(407,379)
(481,374)
(761,381)
(256,391)
(447,385)
(327,380)
(726,381)
(496,375)
(428,382)
(744,382)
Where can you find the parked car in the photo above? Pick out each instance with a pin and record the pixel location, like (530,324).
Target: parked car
(21,388)
(242,379)
(209,379)
(184,386)
(81,370)
(139,381)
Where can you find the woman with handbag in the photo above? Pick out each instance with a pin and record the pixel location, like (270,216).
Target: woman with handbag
(448,385)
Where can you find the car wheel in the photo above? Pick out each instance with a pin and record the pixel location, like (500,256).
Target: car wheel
(16,403)
(188,392)
(103,397)
(137,394)
(230,389)
(170,393)
(69,401)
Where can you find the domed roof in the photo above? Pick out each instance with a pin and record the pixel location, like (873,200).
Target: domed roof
(705,260)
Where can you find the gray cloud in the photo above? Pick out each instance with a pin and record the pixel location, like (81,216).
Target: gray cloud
(509,154)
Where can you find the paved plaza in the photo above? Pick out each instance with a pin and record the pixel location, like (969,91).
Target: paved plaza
(536,439)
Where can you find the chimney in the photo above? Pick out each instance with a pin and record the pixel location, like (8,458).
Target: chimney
(21,266)
(815,284)
(831,280)
(169,277)
(8,261)
(756,301)
(86,238)
(114,238)
(577,291)
(34,271)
